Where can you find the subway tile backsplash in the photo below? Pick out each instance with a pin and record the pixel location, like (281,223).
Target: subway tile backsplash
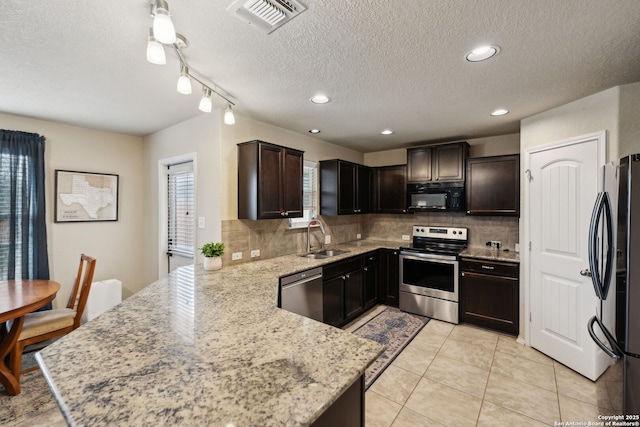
(274,238)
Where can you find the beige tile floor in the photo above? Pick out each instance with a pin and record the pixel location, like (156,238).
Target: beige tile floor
(460,375)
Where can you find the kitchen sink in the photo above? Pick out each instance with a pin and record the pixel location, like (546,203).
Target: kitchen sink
(327,253)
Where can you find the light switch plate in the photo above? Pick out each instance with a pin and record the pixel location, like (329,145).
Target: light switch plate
(200,222)
(236,256)
(327,239)
(255,253)
(406,237)
(358,236)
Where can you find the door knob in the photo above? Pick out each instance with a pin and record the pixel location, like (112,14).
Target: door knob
(585,273)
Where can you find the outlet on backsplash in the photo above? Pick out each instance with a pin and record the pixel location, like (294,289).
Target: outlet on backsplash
(494,244)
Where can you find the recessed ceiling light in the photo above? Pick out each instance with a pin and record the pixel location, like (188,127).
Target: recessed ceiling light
(314,130)
(386,132)
(500,112)
(320,99)
(481,53)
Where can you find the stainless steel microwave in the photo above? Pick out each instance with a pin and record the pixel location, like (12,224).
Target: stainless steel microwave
(436,197)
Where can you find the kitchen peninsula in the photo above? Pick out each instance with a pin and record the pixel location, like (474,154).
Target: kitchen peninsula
(207,348)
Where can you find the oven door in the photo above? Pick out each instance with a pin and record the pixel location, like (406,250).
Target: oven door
(430,275)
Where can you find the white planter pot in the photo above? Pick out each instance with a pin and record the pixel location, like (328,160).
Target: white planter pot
(212,263)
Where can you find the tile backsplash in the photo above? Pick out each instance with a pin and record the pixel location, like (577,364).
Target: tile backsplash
(274,238)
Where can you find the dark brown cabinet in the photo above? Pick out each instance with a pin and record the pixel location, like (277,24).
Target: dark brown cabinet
(493,185)
(489,294)
(441,162)
(342,290)
(371,278)
(390,276)
(391,189)
(345,188)
(269,181)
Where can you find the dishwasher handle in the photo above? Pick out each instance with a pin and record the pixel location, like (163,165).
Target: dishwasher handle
(301,282)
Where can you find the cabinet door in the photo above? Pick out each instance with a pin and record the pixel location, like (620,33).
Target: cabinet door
(390,277)
(493,185)
(333,301)
(370,278)
(364,190)
(490,301)
(391,189)
(270,182)
(353,295)
(346,188)
(292,184)
(419,164)
(448,162)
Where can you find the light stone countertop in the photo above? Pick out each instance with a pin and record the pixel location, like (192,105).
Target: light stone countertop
(491,254)
(207,348)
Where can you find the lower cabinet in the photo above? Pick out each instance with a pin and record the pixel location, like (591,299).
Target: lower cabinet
(350,286)
(371,278)
(389,276)
(490,294)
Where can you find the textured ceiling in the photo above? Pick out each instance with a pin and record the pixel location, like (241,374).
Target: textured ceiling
(385,64)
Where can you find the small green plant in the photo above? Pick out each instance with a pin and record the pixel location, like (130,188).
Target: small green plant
(211,249)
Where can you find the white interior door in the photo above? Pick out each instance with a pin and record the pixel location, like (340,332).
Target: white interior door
(564,180)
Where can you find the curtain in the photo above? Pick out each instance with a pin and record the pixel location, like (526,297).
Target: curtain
(23,235)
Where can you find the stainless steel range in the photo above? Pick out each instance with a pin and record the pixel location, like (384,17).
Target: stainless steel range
(429,272)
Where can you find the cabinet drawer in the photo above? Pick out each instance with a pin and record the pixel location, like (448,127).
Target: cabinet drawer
(340,268)
(494,268)
(371,257)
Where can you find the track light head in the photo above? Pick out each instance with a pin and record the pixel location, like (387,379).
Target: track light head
(205,102)
(229,118)
(163,27)
(155,50)
(184,81)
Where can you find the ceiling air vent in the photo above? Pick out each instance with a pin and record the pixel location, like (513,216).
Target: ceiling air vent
(268,15)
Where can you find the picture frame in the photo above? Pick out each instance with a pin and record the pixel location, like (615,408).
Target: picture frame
(85,196)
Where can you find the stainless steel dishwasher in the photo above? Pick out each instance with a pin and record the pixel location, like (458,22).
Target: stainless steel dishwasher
(301,293)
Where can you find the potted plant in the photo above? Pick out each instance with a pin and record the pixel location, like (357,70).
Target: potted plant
(212,255)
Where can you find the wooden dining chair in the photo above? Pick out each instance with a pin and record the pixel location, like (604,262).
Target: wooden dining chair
(42,326)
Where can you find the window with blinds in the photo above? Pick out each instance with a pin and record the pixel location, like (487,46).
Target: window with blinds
(181,215)
(309,195)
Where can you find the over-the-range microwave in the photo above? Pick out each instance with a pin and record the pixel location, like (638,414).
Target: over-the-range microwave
(436,196)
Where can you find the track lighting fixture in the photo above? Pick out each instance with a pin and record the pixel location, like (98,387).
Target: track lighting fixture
(184,81)
(163,27)
(205,102)
(155,50)
(164,34)
(229,118)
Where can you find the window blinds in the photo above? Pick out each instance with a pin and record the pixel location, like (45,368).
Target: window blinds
(181,215)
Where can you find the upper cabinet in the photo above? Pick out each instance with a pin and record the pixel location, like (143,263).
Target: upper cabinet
(391,189)
(345,188)
(269,181)
(437,163)
(493,185)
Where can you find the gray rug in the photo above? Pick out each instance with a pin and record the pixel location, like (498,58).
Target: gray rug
(35,397)
(394,329)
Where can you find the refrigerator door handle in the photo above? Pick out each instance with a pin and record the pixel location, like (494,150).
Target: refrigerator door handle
(601,278)
(617,352)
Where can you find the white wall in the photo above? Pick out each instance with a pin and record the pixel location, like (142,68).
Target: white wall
(115,245)
(200,135)
(247,129)
(629,138)
(593,113)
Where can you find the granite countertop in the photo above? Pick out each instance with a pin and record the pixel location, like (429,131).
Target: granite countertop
(208,348)
(491,254)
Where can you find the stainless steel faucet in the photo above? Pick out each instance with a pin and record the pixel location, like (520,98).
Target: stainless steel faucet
(313,222)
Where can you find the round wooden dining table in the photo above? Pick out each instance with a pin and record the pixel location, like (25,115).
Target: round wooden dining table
(17,298)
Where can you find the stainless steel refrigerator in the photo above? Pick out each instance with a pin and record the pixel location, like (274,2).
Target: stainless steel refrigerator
(617,244)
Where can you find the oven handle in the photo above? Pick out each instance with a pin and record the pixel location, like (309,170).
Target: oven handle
(441,259)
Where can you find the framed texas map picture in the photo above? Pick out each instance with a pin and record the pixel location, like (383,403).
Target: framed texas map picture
(85,196)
